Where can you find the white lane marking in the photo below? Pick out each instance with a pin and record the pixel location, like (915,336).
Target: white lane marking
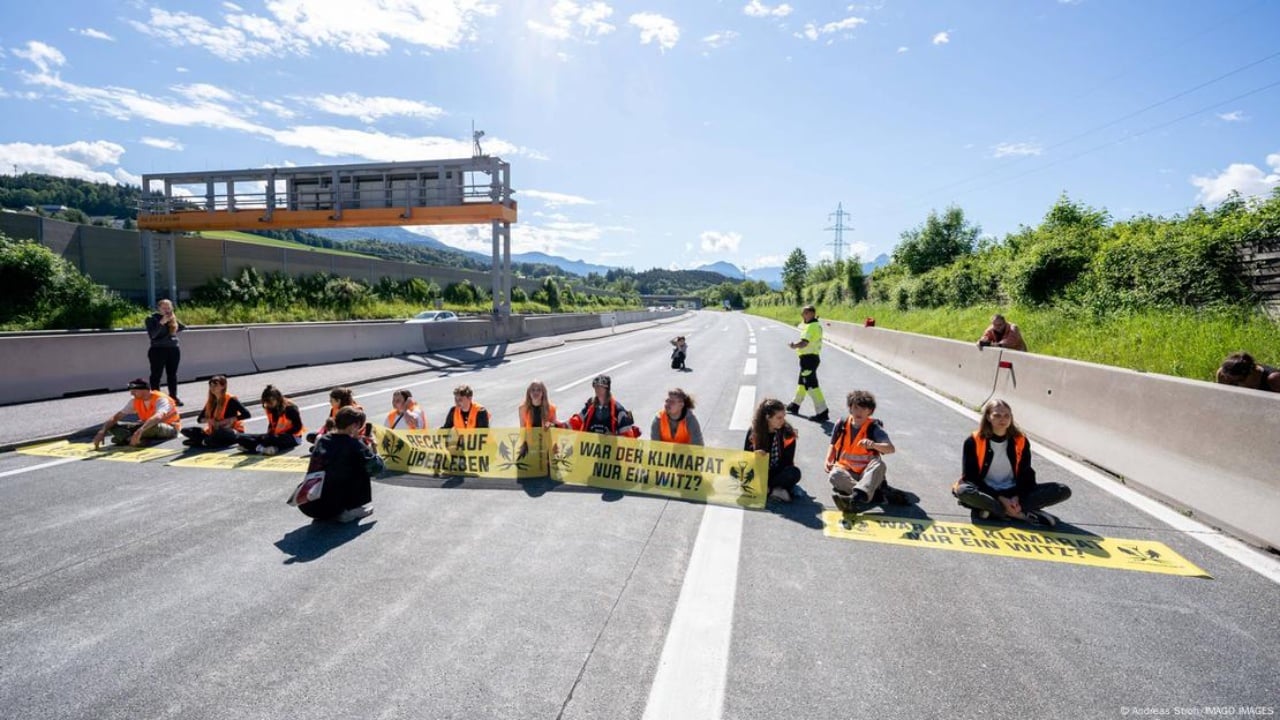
(750,368)
(743,408)
(1232,548)
(592,376)
(751,349)
(41,466)
(690,680)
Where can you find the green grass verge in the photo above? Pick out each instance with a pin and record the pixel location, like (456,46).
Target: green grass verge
(1182,343)
(237,236)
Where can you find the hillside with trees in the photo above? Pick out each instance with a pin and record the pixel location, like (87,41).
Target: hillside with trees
(90,198)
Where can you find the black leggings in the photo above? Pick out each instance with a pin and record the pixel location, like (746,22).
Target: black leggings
(165,359)
(283,443)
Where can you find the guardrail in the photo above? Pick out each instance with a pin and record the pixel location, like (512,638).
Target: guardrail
(1212,449)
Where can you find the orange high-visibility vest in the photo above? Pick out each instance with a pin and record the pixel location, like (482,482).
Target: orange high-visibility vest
(980,445)
(852,455)
(664,429)
(526,415)
(590,414)
(147,407)
(410,415)
(470,420)
(279,424)
(219,413)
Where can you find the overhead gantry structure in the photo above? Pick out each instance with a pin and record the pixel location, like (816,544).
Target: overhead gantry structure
(467,191)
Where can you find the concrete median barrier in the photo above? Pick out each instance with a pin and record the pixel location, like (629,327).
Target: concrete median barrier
(51,366)
(215,351)
(1201,446)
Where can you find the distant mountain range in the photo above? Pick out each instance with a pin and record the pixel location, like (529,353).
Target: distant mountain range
(773,275)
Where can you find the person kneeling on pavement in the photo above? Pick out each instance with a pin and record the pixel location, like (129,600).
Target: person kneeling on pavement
(348,464)
(157,415)
(998,481)
(855,464)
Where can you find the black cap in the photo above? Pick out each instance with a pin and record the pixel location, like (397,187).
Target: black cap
(139,384)
(602,380)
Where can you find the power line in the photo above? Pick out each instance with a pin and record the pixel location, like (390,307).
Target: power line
(838,243)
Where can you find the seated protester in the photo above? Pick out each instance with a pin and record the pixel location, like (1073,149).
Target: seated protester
(679,352)
(676,423)
(339,398)
(157,415)
(223,417)
(405,413)
(603,414)
(1002,334)
(347,462)
(998,480)
(771,434)
(856,470)
(466,415)
(1241,370)
(537,411)
(284,425)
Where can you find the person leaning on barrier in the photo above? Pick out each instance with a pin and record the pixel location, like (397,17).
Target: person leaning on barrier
(1002,334)
(603,414)
(537,411)
(223,418)
(284,425)
(157,418)
(997,479)
(405,413)
(854,465)
(771,434)
(1241,370)
(466,413)
(348,464)
(675,422)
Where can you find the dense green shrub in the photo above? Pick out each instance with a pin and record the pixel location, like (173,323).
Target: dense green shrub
(40,289)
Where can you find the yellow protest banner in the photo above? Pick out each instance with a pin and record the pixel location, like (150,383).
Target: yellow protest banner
(1140,555)
(239,461)
(688,472)
(503,453)
(116,453)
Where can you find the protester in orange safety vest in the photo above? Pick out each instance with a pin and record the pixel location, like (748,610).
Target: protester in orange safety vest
(676,423)
(223,418)
(157,415)
(603,413)
(771,434)
(466,413)
(854,463)
(284,425)
(998,480)
(405,413)
(339,398)
(537,411)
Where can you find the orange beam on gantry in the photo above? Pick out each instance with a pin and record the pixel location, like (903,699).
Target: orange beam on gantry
(256,219)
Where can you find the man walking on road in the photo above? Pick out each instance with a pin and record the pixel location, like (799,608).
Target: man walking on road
(808,347)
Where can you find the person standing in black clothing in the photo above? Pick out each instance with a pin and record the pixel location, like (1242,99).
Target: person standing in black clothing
(771,433)
(348,464)
(163,328)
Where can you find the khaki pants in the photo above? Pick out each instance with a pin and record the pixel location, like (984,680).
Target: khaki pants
(121,432)
(845,481)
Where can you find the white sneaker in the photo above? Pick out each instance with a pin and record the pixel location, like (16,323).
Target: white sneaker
(354,514)
(269,450)
(258,449)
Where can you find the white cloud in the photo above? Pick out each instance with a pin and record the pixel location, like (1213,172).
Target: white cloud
(813,32)
(42,56)
(363,27)
(162,143)
(124,177)
(278,110)
(765,261)
(569,19)
(568,239)
(374,145)
(181,69)
(369,109)
(78,159)
(720,39)
(1021,149)
(654,27)
(95,34)
(1233,116)
(755,8)
(555,199)
(942,38)
(903,48)
(1248,180)
(714,241)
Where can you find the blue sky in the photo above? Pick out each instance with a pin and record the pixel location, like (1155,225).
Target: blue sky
(664,133)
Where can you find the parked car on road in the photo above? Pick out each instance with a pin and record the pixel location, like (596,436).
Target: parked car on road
(427,316)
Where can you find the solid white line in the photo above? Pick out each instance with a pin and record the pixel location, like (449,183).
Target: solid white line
(1232,548)
(41,466)
(750,367)
(743,408)
(591,376)
(690,680)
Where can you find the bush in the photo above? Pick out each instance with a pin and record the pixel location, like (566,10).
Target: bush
(39,290)
(518,294)
(462,293)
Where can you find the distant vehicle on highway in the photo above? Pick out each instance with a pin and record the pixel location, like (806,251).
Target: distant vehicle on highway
(427,316)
